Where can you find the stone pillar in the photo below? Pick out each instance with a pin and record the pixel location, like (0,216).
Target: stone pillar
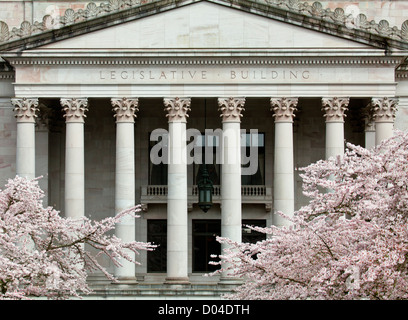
(74,156)
(369,131)
(25,109)
(384,114)
(231,205)
(177,220)
(334,109)
(284,187)
(41,149)
(400,114)
(125,110)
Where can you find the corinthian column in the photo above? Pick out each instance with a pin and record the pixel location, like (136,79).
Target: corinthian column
(334,109)
(177,220)
(74,156)
(125,110)
(231,210)
(25,109)
(284,189)
(369,127)
(384,114)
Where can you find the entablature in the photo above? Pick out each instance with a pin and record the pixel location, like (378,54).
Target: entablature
(214,57)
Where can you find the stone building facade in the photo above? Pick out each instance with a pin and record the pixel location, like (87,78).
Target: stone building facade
(116,103)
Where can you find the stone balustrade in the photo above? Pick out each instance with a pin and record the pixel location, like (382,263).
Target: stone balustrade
(251,194)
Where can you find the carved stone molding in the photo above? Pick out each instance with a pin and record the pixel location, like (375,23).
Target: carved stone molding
(74,108)
(338,16)
(125,109)
(177,109)
(207,59)
(383,109)
(7,72)
(284,109)
(25,109)
(335,108)
(231,109)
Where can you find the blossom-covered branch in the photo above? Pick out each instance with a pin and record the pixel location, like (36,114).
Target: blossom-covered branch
(44,254)
(349,242)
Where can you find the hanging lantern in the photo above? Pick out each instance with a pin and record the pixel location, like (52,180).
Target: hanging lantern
(205,190)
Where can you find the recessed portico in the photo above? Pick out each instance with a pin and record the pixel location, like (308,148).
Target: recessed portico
(280,149)
(276,189)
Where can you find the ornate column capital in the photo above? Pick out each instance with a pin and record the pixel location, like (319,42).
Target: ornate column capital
(177,109)
(335,108)
(384,109)
(284,109)
(74,108)
(25,109)
(125,109)
(231,109)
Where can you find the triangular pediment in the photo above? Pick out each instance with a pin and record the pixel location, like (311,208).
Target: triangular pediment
(203,24)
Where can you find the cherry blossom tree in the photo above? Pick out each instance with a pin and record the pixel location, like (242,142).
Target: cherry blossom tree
(349,242)
(44,254)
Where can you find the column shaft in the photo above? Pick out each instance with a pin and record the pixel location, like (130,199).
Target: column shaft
(383,131)
(334,139)
(231,204)
(25,150)
(384,114)
(177,209)
(369,130)
(42,144)
(284,188)
(125,179)
(231,209)
(25,109)
(74,157)
(334,109)
(125,167)
(74,171)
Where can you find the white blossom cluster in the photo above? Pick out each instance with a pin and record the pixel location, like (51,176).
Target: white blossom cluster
(43,254)
(349,242)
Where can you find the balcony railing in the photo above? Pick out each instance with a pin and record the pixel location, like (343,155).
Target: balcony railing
(250,194)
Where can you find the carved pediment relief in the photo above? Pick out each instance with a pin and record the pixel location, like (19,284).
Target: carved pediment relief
(112,13)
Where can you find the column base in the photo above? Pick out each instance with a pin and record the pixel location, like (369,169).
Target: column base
(177,280)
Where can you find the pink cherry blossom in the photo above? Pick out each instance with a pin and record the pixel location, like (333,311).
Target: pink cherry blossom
(349,242)
(44,254)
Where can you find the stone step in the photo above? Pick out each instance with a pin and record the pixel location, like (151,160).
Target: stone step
(104,289)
